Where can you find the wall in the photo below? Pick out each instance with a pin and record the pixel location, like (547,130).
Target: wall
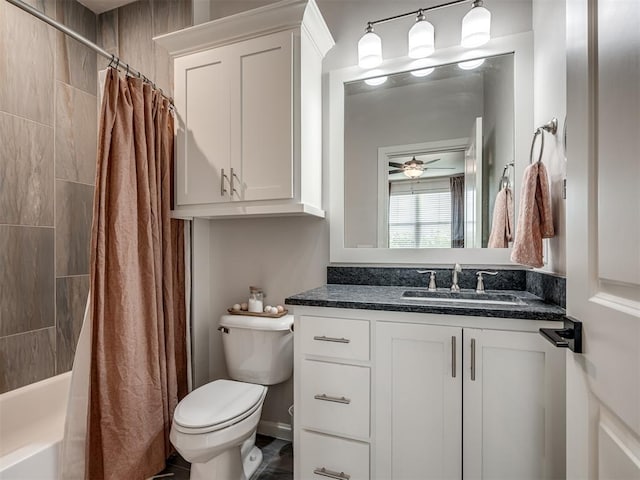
(48,112)
(265,251)
(550,100)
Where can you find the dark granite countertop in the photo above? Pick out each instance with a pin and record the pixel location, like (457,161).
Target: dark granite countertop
(389,298)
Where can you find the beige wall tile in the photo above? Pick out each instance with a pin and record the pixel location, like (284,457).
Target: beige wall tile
(71,300)
(76,134)
(26,172)
(75,63)
(73,227)
(135,36)
(26,358)
(26,64)
(27,279)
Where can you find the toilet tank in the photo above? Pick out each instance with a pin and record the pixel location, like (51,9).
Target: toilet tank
(258,349)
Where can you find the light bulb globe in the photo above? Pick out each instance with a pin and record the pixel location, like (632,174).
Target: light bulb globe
(421,39)
(476,27)
(369,50)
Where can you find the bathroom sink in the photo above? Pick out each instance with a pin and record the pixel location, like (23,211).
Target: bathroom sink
(463,297)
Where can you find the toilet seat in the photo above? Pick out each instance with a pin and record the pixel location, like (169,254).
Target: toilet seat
(217,405)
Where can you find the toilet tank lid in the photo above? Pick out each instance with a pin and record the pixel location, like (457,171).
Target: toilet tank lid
(257,323)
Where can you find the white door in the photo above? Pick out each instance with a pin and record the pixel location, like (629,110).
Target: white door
(418,402)
(473,188)
(513,406)
(603,237)
(262,133)
(202,127)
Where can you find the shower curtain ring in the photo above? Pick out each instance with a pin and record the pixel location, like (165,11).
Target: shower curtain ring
(113,57)
(127,69)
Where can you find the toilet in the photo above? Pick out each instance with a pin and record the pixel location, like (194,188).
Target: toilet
(214,426)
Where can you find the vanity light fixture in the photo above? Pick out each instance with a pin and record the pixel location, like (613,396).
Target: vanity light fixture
(476,31)
(476,26)
(421,38)
(369,49)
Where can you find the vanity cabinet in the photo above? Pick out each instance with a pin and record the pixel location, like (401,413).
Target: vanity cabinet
(427,396)
(248,112)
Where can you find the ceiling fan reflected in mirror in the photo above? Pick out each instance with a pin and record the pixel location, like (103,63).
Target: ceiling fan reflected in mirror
(415,168)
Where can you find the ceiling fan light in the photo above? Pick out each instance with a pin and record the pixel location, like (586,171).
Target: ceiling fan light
(369,49)
(413,172)
(421,38)
(476,26)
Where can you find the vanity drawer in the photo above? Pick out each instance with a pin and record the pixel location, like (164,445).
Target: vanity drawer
(334,337)
(335,398)
(340,458)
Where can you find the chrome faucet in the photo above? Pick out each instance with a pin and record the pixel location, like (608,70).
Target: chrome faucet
(480,285)
(454,282)
(432,279)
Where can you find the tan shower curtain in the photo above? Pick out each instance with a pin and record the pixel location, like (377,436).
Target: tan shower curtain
(138,364)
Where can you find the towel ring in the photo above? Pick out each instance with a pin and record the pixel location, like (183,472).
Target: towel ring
(551,127)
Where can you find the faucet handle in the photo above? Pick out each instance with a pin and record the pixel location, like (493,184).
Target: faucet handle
(480,284)
(432,279)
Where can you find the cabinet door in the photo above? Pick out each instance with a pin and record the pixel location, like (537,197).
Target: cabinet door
(418,402)
(202,97)
(262,133)
(513,406)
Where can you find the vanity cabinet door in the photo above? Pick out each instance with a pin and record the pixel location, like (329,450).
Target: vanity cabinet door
(418,401)
(513,417)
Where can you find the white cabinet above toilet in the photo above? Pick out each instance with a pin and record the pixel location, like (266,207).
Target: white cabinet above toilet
(248,96)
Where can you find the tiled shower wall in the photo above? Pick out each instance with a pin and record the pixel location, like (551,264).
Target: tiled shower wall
(48,130)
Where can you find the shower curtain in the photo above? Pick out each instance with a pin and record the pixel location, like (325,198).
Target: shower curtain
(136,333)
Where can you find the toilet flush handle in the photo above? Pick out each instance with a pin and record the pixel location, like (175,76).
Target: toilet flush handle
(223,329)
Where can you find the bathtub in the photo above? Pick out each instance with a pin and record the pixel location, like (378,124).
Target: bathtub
(31,429)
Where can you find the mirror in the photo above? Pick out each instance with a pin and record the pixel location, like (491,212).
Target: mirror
(371,159)
(426,153)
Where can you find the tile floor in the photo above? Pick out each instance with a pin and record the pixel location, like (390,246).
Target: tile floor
(277,462)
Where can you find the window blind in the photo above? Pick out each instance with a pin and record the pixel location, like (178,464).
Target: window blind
(420,214)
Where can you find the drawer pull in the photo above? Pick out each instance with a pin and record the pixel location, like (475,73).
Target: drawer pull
(327,398)
(331,339)
(331,474)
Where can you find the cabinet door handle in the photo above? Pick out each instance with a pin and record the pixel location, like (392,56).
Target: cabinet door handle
(324,472)
(231,181)
(453,357)
(222,177)
(331,339)
(327,398)
(473,359)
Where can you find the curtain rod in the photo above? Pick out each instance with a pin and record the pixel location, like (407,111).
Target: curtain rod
(114,60)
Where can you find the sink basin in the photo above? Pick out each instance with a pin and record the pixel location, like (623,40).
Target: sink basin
(463,297)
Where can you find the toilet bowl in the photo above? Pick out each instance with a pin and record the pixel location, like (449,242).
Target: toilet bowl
(214,426)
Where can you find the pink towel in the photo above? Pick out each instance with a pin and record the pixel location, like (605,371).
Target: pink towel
(502,224)
(535,221)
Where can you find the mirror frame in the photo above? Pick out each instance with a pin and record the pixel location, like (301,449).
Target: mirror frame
(521,45)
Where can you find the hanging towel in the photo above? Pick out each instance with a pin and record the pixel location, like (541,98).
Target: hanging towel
(535,221)
(502,224)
